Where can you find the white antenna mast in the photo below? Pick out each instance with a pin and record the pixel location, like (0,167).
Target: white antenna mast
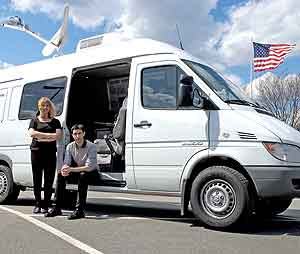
(180,42)
(56,41)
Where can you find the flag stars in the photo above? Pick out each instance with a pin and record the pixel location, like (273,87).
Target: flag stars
(269,56)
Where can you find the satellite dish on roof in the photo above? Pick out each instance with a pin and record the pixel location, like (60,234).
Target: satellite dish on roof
(59,37)
(56,41)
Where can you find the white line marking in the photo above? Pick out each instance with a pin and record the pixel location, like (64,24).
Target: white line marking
(54,231)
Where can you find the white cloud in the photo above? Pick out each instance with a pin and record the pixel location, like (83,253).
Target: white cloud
(155,19)
(267,21)
(158,19)
(220,44)
(291,77)
(234,79)
(50,7)
(252,88)
(84,14)
(4,65)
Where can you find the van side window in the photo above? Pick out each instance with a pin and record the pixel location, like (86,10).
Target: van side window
(3,96)
(159,85)
(54,89)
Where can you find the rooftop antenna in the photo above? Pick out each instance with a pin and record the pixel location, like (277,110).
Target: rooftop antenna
(180,42)
(52,45)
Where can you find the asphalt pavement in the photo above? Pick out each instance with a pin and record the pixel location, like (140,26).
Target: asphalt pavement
(118,223)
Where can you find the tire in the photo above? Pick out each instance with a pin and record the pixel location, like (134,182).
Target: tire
(6,183)
(13,196)
(272,207)
(220,197)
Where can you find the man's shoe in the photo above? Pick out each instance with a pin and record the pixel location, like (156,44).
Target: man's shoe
(53,212)
(36,209)
(77,214)
(44,210)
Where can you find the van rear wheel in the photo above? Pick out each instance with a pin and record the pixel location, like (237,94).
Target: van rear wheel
(219,197)
(6,183)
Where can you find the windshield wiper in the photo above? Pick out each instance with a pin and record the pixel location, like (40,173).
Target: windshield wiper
(243,102)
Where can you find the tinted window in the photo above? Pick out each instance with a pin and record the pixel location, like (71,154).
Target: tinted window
(54,89)
(159,86)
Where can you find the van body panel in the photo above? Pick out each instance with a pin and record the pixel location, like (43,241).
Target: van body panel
(232,125)
(271,181)
(191,164)
(14,139)
(161,150)
(286,133)
(3,100)
(129,163)
(246,153)
(5,159)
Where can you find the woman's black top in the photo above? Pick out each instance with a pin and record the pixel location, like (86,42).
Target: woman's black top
(46,127)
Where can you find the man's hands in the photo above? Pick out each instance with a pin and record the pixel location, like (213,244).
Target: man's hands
(65,170)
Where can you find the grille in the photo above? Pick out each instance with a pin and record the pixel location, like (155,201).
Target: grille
(245,135)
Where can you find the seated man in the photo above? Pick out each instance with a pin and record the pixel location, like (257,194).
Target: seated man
(80,161)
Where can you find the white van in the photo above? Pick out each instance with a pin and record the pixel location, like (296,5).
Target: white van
(189,132)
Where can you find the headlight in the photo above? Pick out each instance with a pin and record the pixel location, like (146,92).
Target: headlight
(284,152)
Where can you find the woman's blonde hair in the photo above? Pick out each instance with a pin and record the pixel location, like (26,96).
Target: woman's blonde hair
(52,112)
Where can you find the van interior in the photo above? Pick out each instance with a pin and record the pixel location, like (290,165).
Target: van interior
(95,98)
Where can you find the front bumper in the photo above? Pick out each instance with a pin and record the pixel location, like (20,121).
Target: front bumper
(276,181)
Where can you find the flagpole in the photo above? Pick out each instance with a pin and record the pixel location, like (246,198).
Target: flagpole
(251,68)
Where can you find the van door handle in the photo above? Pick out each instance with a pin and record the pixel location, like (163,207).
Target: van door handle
(142,124)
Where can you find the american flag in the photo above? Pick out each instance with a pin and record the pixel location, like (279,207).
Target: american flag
(269,56)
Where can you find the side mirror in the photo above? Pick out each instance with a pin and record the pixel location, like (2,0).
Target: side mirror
(187,80)
(185,91)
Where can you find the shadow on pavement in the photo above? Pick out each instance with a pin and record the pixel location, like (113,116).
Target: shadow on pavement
(138,209)
(287,223)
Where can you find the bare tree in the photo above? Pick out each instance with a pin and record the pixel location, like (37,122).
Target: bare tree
(281,96)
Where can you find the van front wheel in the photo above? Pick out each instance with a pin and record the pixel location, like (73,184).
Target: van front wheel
(6,183)
(219,197)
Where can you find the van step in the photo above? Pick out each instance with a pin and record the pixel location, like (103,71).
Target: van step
(110,183)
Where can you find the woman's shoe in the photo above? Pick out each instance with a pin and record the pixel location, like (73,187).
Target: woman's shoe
(36,209)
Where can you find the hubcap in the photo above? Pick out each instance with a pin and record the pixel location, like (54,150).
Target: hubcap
(3,183)
(218,198)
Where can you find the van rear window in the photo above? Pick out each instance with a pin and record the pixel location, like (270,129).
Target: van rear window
(54,89)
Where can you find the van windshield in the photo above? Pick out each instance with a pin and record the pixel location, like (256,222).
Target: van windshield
(225,89)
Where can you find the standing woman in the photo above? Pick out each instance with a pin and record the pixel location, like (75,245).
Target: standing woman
(45,130)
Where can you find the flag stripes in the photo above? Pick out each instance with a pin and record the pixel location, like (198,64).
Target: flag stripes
(269,56)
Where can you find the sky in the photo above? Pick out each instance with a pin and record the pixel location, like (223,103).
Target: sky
(219,32)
